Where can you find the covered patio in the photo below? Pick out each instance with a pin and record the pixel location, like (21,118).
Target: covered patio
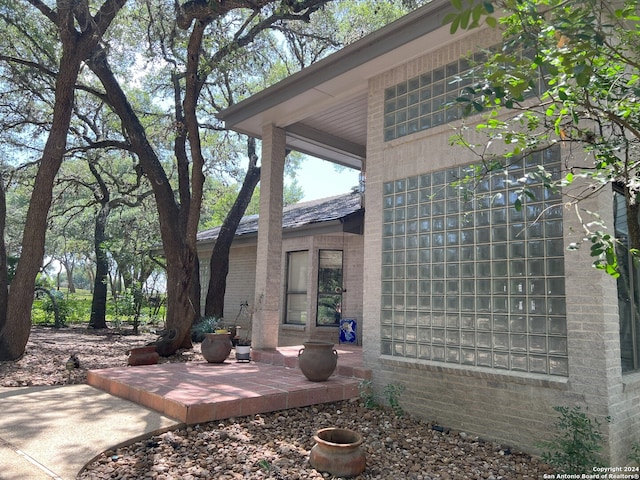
(198,392)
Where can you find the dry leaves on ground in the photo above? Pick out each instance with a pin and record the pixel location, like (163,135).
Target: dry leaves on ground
(48,349)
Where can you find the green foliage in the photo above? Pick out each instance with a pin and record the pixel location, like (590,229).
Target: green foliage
(61,305)
(365,392)
(355,19)
(469,13)
(125,304)
(203,326)
(76,308)
(577,443)
(392,393)
(566,73)
(634,456)
(265,465)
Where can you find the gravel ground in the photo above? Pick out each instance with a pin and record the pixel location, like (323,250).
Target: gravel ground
(266,446)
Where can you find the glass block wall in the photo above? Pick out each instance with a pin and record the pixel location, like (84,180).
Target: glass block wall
(474,282)
(428,100)
(418,104)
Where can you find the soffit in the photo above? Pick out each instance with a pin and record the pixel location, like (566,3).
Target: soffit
(323,108)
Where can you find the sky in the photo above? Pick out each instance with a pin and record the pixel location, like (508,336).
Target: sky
(319,179)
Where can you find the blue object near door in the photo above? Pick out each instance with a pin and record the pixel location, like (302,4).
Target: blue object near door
(348,330)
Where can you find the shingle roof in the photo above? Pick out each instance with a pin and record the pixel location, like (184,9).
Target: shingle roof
(298,215)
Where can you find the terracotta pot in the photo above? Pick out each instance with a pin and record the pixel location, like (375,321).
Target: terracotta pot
(143,356)
(338,451)
(216,347)
(243,353)
(317,360)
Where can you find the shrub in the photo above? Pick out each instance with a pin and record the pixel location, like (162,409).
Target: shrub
(392,393)
(575,447)
(634,456)
(366,393)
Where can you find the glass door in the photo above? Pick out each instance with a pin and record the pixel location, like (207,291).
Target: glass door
(330,281)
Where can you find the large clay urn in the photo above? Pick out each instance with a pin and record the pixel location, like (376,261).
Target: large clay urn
(338,451)
(216,347)
(317,360)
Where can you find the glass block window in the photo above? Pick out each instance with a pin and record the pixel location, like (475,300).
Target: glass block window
(419,103)
(474,282)
(427,100)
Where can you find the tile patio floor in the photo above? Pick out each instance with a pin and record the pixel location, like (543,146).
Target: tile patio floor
(196,392)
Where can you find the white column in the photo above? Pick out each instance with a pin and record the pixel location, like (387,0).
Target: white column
(266,316)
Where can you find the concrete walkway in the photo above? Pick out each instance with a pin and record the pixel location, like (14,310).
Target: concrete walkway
(53,432)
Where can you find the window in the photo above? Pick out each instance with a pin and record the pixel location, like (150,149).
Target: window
(297,278)
(628,289)
(419,103)
(475,282)
(329,287)
(428,100)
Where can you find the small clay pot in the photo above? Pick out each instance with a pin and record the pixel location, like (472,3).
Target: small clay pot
(338,451)
(143,356)
(317,360)
(216,347)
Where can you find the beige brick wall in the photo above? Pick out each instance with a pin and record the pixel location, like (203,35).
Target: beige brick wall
(513,408)
(240,285)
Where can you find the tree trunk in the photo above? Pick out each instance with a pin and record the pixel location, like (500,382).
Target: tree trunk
(76,46)
(68,268)
(4,269)
(219,264)
(100,289)
(71,287)
(89,272)
(17,325)
(633,225)
(180,258)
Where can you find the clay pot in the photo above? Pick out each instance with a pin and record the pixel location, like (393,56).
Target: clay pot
(338,451)
(216,347)
(317,360)
(143,356)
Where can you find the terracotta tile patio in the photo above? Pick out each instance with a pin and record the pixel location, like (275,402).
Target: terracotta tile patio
(196,392)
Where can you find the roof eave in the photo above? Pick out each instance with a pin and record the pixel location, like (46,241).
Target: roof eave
(404,30)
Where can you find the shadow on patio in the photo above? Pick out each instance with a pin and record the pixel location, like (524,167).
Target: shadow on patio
(197,392)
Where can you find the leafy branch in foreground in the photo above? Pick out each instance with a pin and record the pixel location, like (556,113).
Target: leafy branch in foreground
(566,74)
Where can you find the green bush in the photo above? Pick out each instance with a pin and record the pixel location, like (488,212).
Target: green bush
(575,448)
(76,308)
(392,393)
(365,388)
(634,456)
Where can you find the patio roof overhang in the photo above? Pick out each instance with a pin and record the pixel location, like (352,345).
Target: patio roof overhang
(323,108)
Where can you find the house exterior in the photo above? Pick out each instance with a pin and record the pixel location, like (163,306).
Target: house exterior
(322,263)
(476,308)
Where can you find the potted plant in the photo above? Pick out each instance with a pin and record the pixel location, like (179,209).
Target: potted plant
(203,326)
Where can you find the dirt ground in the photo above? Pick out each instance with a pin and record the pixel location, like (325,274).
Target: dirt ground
(45,358)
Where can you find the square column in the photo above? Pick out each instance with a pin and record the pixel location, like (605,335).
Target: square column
(268,288)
